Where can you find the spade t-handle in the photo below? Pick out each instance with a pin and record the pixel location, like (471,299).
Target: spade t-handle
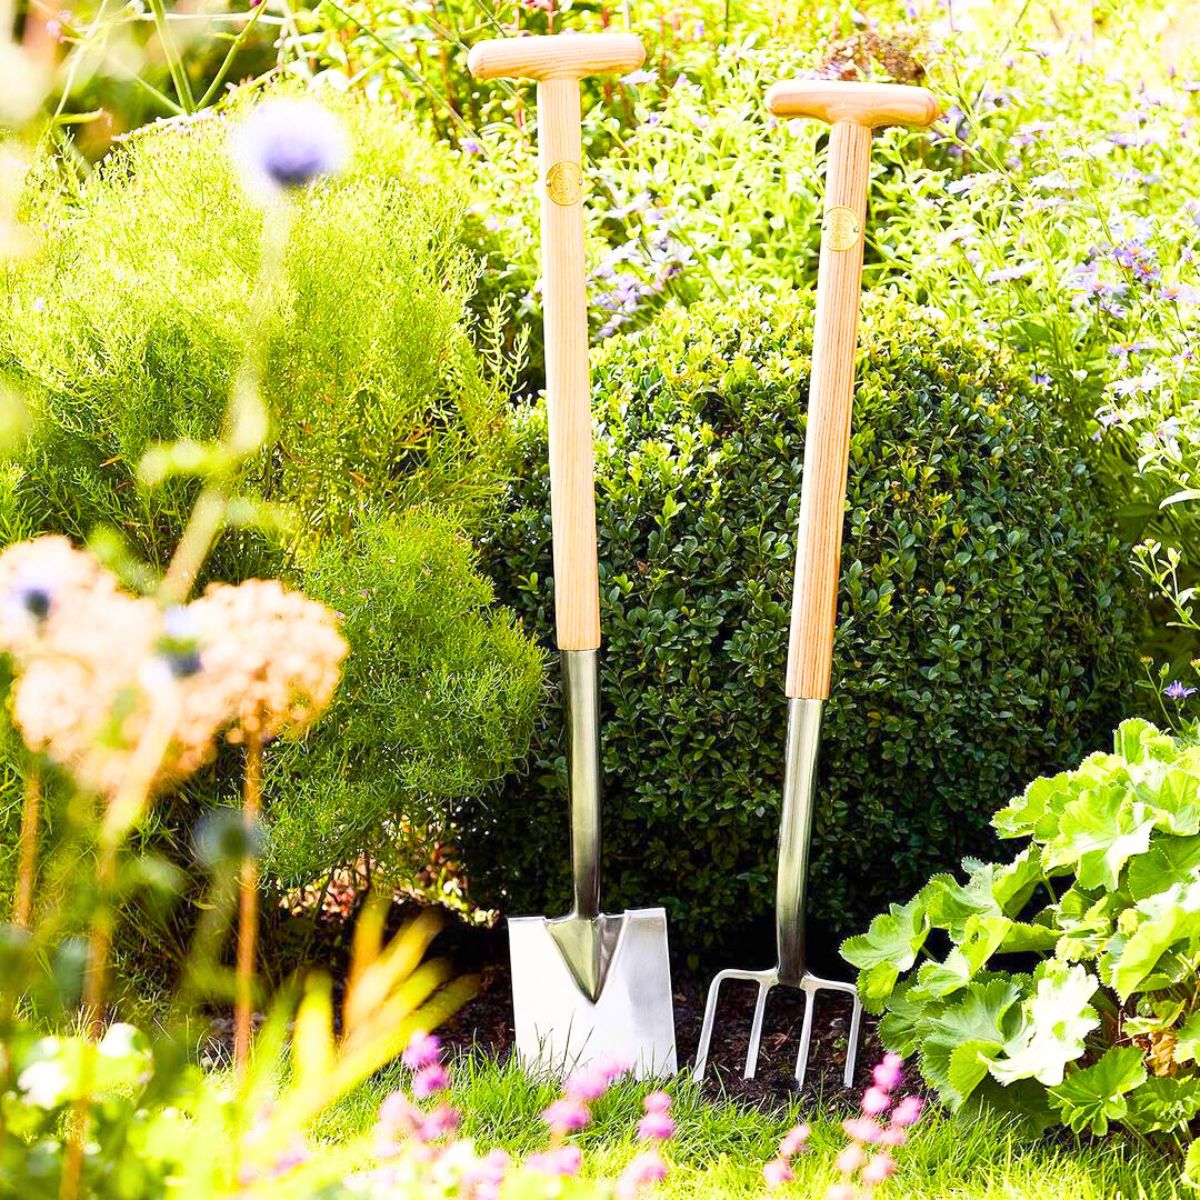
(852,110)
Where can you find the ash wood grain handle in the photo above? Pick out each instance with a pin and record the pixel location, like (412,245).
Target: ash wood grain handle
(558,63)
(854,110)
(871,105)
(557,56)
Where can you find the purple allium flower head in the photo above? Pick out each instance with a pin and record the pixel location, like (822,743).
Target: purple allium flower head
(645,1168)
(875,1101)
(908,1112)
(423,1050)
(287,144)
(795,1141)
(566,1116)
(1178,691)
(777,1173)
(430,1080)
(656,1127)
(889,1073)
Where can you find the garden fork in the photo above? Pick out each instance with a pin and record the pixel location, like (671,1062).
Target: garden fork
(853,110)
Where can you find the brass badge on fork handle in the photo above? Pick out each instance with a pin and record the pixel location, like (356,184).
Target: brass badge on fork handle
(841,226)
(564,183)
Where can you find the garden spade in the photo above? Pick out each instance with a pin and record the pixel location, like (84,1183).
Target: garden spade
(589,985)
(853,110)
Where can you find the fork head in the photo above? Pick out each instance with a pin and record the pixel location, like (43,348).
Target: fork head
(809,984)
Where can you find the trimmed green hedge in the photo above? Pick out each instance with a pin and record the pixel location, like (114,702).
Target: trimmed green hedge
(985,624)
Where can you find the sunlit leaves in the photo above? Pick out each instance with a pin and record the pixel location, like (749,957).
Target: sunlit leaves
(889,947)
(1092,1097)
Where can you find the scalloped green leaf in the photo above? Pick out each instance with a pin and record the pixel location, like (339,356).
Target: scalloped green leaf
(1099,833)
(1037,810)
(1164,1105)
(984,935)
(1169,860)
(1170,917)
(889,947)
(1092,1097)
(1187,1040)
(1055,1021)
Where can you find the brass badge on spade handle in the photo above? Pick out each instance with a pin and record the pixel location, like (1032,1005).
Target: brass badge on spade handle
(841,227)
(564,183)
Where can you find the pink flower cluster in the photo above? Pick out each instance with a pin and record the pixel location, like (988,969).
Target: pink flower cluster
(571,1113)
(779,1170)
(648,1166)
(866,1162)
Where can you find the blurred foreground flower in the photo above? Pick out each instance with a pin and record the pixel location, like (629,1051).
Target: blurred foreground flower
(286,144)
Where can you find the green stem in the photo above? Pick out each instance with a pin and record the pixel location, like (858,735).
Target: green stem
(183,89)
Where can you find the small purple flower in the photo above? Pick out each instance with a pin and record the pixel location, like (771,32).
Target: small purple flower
(1181,293)
(423,1050)
(39,304)
(1178,691)
(472,146)
(285,144)
(566,1116)
(430,1080)
(640,76)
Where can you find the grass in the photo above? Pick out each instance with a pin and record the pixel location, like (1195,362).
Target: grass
(721,1146)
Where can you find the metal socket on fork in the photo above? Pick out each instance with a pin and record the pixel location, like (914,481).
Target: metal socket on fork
(795,841)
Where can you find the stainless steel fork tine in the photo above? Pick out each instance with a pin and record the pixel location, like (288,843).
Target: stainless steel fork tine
(852,1048)
(805,1037)
(756,1028)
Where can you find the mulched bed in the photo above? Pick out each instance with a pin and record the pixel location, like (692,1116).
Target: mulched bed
(485,1025)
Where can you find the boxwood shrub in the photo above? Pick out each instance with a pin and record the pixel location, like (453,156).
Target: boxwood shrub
(984,620)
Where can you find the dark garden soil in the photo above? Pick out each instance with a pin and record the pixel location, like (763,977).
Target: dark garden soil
(485,1025)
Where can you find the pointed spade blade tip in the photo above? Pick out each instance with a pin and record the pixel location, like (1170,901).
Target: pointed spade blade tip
(587,945)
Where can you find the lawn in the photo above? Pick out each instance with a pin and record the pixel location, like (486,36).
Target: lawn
(721,1147)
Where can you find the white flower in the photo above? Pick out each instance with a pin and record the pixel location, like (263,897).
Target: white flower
(44,1084)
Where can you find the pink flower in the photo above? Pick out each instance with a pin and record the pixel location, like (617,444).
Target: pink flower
(430,1080)
(440,1123)
(863,1129)
(892,1136)
(645,1168)
(889,1074)
(613,1067)
(561,1161)
(842,1191)
(423,1051)
(589,1084)
(398,1114)
(850,1159)
(777,1172)
(485,1177)
(656,1127)
(566,1116)
(657,1102)
(879,1169)
(795,1141)
(876,1102)
(908,1111)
